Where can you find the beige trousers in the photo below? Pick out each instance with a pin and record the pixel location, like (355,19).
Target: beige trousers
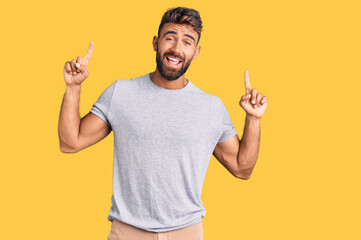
(122,231)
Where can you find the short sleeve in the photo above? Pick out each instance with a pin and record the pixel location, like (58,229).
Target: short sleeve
(101,107)
(227,127)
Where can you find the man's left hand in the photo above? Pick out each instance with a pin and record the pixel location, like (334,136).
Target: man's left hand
(253,103)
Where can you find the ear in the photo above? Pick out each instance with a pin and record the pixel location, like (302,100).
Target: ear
(155,43)
(198,49)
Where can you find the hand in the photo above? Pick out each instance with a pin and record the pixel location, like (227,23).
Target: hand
(253,103)
(75,72)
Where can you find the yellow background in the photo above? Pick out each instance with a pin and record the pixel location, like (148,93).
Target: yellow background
(303,55)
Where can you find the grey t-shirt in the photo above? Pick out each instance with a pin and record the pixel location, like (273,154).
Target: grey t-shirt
(163,142)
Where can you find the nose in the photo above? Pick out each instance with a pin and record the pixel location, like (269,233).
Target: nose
(177,47)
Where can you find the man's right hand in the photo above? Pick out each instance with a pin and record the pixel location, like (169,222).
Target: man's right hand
(76,71)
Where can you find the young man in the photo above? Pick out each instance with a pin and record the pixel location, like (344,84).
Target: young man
(165,132)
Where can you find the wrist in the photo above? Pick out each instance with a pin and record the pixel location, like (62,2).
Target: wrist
(253,118)
(73,86)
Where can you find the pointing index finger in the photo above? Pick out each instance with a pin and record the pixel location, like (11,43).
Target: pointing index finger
(246,82)
(89,52)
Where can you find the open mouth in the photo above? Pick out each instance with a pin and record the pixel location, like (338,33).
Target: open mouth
(173,61)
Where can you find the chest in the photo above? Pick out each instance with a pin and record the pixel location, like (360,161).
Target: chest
(170,120)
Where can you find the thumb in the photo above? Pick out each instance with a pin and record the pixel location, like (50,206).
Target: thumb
(83,69)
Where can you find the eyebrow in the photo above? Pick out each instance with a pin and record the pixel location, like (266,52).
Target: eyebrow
(173,32)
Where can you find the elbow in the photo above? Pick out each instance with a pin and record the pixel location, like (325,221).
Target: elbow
(243,177)
(68,150)
(64,148)
(244,174)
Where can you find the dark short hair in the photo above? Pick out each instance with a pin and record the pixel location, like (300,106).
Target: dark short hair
(183,15)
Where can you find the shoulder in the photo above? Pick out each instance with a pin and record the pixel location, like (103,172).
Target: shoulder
(218,105)
(211,98)
(131,83)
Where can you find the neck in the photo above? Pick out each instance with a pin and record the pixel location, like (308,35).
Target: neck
(157,79)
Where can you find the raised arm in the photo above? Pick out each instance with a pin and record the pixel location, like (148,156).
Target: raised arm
(239,156)
(76,134)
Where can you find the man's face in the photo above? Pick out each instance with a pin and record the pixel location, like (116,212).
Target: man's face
(176,48)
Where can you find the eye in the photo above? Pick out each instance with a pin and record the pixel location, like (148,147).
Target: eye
(188,43)
(169,39)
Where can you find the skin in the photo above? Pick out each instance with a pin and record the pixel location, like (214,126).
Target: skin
(181,44)
(76,71)
(239,156)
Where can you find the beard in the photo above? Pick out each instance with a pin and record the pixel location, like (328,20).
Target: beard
(168,72)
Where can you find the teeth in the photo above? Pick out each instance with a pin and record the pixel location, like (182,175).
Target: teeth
(173,59)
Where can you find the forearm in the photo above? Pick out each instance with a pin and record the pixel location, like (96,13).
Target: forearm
(249,144)
(69,119)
